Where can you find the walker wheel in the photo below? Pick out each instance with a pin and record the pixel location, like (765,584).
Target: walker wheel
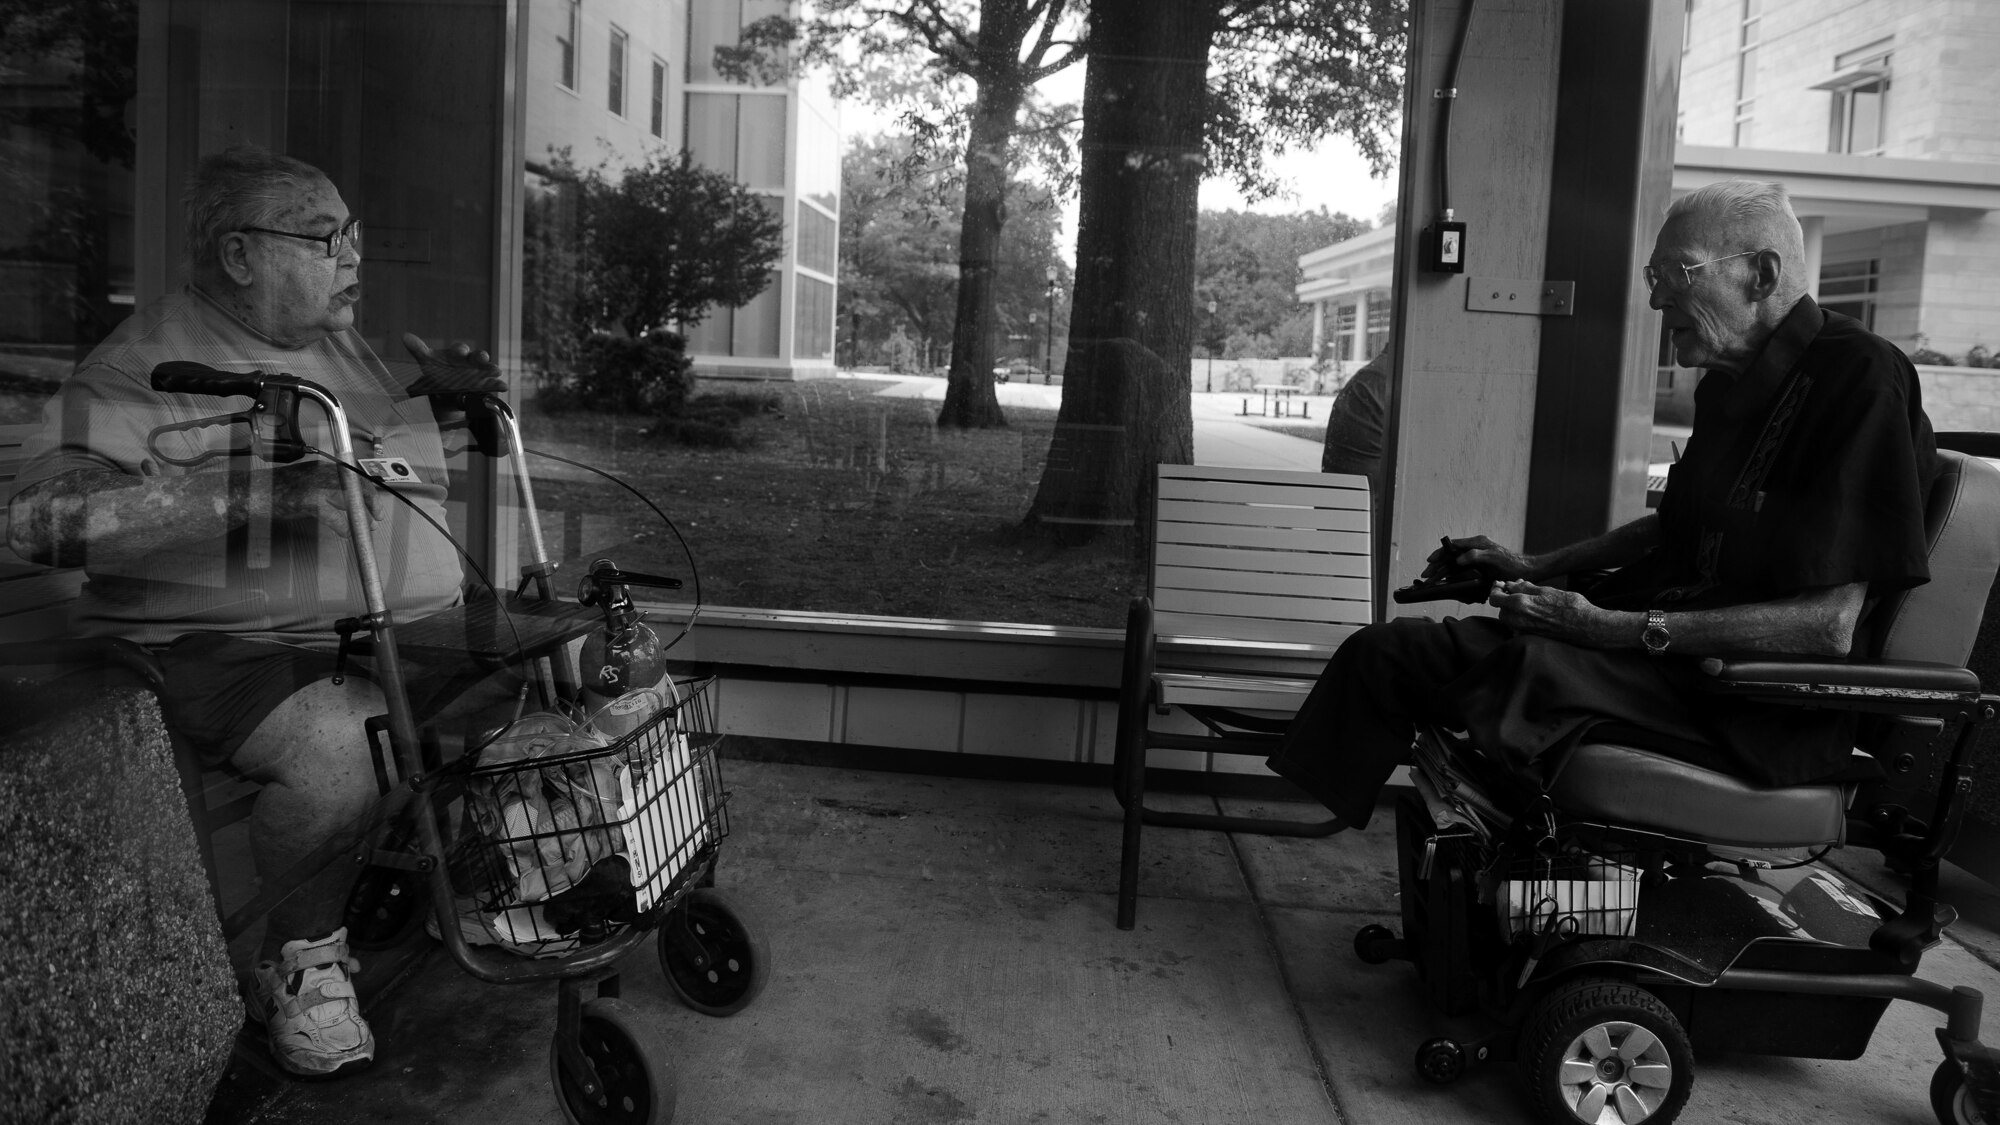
(1951,1098)
(637,1084)
(712,954)
(1597,1051)
(1373,943)
(1440,1061)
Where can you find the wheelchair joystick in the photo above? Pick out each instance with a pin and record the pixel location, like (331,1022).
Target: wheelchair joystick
(1469,584)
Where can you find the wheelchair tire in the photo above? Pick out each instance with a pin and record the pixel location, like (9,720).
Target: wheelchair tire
(1601,1050)
(1950,1099)
(638,1082)
(1373,943)
(734,964)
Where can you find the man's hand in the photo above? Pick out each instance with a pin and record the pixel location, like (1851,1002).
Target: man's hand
(457,370)
(1563,615)
(1478,550)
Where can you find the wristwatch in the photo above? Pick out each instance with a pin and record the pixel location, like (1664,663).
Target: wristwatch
(1656,638)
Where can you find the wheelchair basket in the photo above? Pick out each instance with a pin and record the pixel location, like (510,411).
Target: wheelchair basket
(562,849)
(1574,892)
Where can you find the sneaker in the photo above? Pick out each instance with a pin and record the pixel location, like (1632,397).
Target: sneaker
(307,1004)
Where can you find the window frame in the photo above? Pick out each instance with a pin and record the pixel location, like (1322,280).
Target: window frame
(569,68)
(614,82)
(658,120)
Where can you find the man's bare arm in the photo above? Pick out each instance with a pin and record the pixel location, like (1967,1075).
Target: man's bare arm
(1816,622)
(104,516)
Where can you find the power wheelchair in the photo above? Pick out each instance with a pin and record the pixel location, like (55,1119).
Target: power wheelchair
(1643,909)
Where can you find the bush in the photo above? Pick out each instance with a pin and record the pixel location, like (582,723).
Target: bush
(648,375)
(1978,356)
(1931,357)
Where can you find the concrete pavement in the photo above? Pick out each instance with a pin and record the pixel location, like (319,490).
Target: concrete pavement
(943,952)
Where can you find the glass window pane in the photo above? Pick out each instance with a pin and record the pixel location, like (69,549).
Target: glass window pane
(615,84)
(711,23)
(812,329)
(711,336)
(658,117)
(760,145)
(818,239)
(757,323)
(711,131)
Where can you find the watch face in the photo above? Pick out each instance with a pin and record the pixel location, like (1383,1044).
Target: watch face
(1654,638)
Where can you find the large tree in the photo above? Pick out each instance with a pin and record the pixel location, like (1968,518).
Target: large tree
(899,220)
(918,56)
(1175,90)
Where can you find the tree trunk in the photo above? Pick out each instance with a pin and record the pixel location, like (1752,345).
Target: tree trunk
(1125,377)
(969,400)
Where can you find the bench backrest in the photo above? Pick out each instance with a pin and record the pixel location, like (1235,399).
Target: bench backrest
(1260,555)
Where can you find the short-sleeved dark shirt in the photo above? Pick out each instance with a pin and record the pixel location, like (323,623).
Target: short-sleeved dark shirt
(1809,469)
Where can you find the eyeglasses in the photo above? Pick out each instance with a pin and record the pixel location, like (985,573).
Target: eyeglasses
(1654,276)
(348,235)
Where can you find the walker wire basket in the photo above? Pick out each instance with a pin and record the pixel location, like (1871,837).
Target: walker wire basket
(569,836)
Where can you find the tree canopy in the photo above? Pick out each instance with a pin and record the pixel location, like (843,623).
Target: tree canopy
(1248,264)
(898,269)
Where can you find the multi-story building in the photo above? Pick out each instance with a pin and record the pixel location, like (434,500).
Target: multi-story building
(1880,118)
(612,80)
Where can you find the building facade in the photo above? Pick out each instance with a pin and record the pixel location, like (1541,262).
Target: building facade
(1882,118)
(611,81)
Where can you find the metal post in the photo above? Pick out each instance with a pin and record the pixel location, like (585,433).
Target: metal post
(1049,342)
(1211,347)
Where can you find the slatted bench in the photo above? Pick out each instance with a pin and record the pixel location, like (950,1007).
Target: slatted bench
(1257,575)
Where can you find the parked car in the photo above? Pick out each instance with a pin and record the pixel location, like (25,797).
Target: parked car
(1011,369)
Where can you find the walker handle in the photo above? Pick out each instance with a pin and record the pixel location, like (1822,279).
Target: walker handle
(180,376)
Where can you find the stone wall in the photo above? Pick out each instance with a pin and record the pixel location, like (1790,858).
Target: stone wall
(1961,398)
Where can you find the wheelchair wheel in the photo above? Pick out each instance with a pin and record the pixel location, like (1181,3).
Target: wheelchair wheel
(638,1083)
(1373,943)
(1950,1099)
(1599,1050)
(712,954)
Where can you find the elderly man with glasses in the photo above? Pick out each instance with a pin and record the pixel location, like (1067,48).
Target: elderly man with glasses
(234,569)
(1799,501)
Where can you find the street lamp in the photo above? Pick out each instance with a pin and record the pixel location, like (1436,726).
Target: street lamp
(1211,347)
(1049,343)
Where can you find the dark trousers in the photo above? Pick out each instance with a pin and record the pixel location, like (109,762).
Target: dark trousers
(1523,699)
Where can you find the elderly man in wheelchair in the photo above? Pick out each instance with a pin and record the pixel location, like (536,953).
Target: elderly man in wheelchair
(234,570)
(1616,781)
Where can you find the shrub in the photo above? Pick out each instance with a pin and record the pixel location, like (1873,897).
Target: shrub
(647,375)
(715,421)
(1931,357)
(1979,356)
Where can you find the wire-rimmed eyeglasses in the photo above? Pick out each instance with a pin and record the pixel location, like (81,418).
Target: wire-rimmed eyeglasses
(1654,275)
(348,235)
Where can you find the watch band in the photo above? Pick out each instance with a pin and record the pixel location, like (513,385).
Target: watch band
(1655,637)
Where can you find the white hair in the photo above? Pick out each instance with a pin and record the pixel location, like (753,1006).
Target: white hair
(1739,215)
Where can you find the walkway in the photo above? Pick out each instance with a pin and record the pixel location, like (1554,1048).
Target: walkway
(944,953)
(1221,435)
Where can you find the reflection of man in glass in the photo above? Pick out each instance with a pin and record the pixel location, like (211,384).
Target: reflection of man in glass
(1804,420)
(234,569)
(1354,429)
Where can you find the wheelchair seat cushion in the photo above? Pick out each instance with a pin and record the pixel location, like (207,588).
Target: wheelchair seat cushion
(1632,787)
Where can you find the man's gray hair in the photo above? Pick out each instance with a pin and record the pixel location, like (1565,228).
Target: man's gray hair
(242,186)
(1741,215)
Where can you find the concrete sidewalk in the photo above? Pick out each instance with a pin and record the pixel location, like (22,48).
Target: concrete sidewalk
(1221,434)
(944,952)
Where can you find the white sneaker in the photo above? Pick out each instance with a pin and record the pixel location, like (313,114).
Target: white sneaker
(307,1003)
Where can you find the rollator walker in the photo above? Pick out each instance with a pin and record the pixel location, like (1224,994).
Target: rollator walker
(1645,909)
(654,792)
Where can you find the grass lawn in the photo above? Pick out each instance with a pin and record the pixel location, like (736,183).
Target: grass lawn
(844,502)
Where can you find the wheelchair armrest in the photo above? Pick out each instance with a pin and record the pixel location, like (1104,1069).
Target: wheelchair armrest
(1873,685)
